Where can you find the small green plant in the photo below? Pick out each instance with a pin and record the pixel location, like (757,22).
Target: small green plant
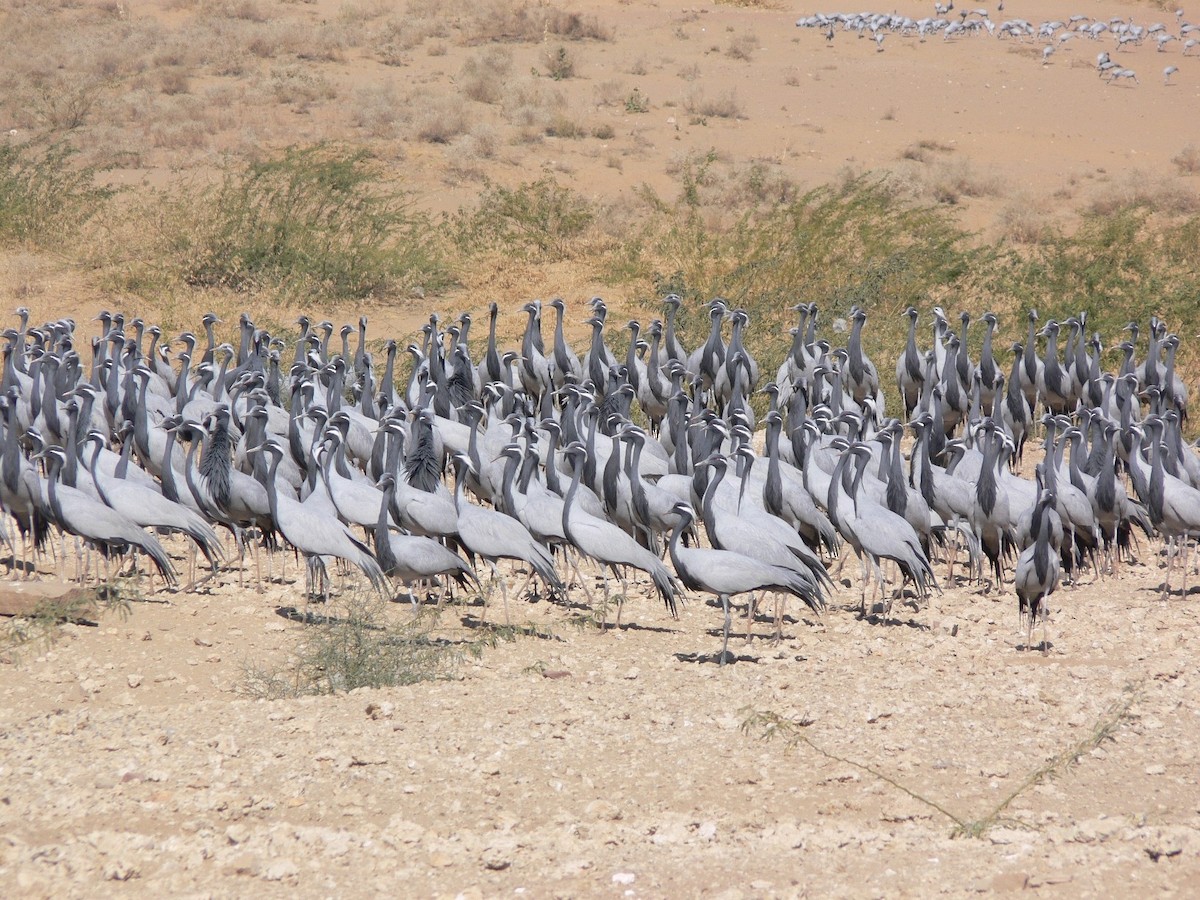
(637,102)
(361,642)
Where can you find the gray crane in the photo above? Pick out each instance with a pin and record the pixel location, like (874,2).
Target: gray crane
(726,573)
(101,526)
(609,545)
(409,557)
(316,536)
(873,530)
(494,536)
(1037,573)
(150,509)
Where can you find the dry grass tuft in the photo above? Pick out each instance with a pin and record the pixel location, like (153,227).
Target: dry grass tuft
(377,109)
(1187,161)
(435,118)
(723,106)
(1168,195)
(532,103)
(924,150)
(742,46)
(485,74)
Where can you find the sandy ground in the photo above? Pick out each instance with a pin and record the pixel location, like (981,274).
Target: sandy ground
(615,764)
(569,761)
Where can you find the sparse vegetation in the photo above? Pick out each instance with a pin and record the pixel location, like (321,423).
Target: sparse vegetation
(43,196)
(315,221)
(540,219)
(724,106)
(1187,161)
(637,102)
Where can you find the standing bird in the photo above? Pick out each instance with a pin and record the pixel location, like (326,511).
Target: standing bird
(606,543)
(316,535)
(494,536)
(725,573)
(1037,572)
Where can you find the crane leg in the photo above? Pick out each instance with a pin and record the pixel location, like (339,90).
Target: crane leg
(621,598)
(750,605)
(725,638)
(504,595)
(1183,589)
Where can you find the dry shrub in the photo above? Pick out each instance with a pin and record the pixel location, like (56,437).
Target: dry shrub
(435,119)
(1187,161)
(564,127)
(723,106)
(558,63)
(484,75)
(377,109)
(464,156)
(949,182)
(610,92)
(603,131)
(174,81)
(1024,222)
(742,46)
(1159,194)
(924,150)
(532,103)
(300,86)
(506,22)
(244,10)
(179,135)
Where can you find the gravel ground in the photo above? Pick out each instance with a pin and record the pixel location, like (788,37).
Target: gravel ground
(623,763)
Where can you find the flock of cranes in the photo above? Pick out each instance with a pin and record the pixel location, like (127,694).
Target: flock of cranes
(559,457)
(952,25)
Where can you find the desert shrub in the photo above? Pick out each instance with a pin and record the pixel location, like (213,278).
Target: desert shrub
(484,75)
(359,644)
(539,219)
(559,63)
(317,221)
(436,119)
(1187,161)
(532,103)
(742,46)
(725,106)
(42,194)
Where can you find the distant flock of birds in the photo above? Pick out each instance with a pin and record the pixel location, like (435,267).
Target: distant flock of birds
(559,457)
(963,23)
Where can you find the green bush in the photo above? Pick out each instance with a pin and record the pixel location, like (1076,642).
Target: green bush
(317,221)
(42,195)
(538,219)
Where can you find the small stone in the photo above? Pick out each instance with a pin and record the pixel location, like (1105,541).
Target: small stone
(226,745)
(949,627)
(1156,769)
(633,674)
(623,878)
(281,869)
(237,834)
(440,860)
(134,681)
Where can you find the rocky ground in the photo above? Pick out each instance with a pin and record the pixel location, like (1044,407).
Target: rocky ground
(567,761)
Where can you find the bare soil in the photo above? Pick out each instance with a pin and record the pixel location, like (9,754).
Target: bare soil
(572,761)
